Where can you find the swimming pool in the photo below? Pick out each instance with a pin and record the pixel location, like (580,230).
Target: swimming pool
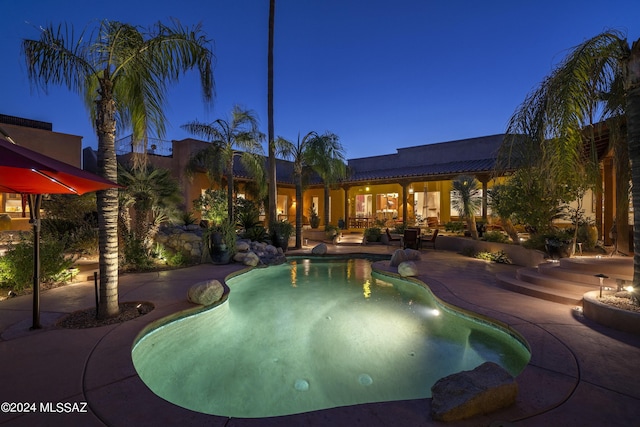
(316,334)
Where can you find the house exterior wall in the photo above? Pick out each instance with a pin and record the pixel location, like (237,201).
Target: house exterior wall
(67,148)
(60,146)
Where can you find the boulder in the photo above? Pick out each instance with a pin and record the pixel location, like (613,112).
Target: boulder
(206,293)
(242,246)
(320,249)
(412,254)
(399,256)
(408,268)
(239,256)
(251,259)
(484,389)
(270,249)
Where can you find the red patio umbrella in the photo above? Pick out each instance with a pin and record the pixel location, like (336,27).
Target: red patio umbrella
(27,172)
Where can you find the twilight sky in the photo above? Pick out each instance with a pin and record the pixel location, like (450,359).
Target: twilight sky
(381,75)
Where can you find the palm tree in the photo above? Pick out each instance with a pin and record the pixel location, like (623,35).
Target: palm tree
(598,81)
(273,184)
(122,73)
(467,201)
(152,195)
(326,157)
(227,137)
(299,154)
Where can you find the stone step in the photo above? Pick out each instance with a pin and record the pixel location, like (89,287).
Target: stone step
(510,282)
(569,279)
(585,277)
(614,267)
(532,275)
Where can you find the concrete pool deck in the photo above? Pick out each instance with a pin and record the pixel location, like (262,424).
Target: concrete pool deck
(580,373)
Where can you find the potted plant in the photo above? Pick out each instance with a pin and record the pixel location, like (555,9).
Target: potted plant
(314,219)
(331,231)
(280,232)
(220,233)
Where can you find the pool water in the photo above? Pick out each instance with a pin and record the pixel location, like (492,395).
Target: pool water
(316,334)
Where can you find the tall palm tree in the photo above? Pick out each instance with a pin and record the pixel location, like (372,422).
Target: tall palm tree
(122,72)
(326,157)
(466,200)
(598,81)
(227,138)
(273,183)
(299,154)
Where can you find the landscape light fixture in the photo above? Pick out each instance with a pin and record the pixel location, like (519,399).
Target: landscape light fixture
(601,277)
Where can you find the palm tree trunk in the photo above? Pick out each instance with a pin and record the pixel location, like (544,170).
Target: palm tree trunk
(299,210)
(107,201)
(510,230)
(471,225)
(623,175)
(632,85)
(273,192)
(327,191)
(230,192)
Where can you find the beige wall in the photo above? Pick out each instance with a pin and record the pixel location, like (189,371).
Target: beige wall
(60,146)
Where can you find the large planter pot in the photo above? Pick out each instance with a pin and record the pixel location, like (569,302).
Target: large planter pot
(282,242)
(220,254)
(218,250)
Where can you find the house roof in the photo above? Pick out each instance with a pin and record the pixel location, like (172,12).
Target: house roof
(439,170)
(438,161)
(441,160)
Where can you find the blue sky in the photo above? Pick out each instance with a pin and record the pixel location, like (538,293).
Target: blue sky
(381,75)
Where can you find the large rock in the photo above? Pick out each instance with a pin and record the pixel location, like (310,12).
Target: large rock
(320,249)
(206,293)
(412,254)
(408,268)
(399,256)
(242,246)
(239,256)
(251,259)
(484,389)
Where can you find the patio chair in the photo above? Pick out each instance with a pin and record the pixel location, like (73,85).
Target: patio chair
(392,239)
(432,240)
(411,238)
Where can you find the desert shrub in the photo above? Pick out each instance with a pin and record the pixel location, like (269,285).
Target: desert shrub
(399,228)
(454,227)
(331,231)
(373,234)
(16,266)
(495,236)
(136,256)
(257,233)
(177,259)
(79,237)
(247,213)
(188,218)
(499,257)
(556,237)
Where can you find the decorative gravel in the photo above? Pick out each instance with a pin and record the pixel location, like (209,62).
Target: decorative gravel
(621,300)
(87,318)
